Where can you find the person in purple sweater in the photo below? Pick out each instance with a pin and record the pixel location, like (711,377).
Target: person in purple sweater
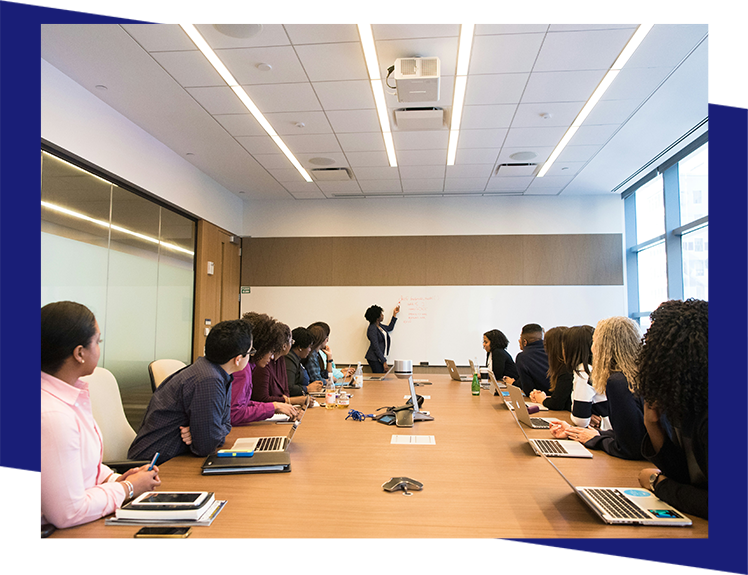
(268,340)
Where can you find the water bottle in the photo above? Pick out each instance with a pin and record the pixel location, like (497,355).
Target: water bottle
(330,395)
(344,399)
(358,376)
(476,384)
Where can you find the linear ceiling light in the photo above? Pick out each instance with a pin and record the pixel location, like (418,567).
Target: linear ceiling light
(623,57)
(215,61)
(116,228)
(463,63)
(377,88)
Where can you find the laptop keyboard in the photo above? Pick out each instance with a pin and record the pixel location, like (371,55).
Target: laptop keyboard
(550,447)
(538,423)
(270,444)
(615,504)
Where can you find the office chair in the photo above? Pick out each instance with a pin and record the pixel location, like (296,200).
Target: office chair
(116,432)
(160,369)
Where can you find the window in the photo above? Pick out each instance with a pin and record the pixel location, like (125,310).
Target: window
(129,260)
(667,232)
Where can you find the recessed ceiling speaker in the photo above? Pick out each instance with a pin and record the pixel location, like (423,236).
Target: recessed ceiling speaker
(321,161)
(523,156)
(239,30)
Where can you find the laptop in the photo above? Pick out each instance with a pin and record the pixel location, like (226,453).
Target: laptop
(518,403)
(628,505)
(273,444)
(456,374)
(379,376)
(554,447)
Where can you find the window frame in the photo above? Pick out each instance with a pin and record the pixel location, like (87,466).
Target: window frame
(673,228)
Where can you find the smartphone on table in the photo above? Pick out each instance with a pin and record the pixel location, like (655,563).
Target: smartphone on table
(171,532)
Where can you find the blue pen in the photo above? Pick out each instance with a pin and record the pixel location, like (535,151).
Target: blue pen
(153,462)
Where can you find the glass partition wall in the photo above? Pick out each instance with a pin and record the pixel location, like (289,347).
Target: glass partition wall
(127,258)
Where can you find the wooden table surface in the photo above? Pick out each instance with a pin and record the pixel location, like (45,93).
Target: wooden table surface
(481,478)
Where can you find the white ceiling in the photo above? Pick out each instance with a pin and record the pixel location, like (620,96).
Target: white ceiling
(155,76)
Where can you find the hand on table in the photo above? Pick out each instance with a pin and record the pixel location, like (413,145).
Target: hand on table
(581,434)
(508,380)
(315,386)
(595,421)
(386,367)
(537,396)
(645,474)
(558,429)
(287,409)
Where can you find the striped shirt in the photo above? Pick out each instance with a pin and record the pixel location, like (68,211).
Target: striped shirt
(585,401)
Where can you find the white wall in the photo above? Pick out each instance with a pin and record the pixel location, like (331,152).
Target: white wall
(435,216)
(79,122)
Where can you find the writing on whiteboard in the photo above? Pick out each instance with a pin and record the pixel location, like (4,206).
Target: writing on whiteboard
(415,308)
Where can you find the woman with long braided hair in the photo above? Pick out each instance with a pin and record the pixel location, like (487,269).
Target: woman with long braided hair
(673,382)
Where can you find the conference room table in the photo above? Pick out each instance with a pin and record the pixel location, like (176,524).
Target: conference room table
(481,479)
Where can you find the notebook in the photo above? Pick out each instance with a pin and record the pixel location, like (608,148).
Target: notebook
(627,505)
(554,447)
(268,462)
(518,403)
(379,376)
(456,374)
(273,444)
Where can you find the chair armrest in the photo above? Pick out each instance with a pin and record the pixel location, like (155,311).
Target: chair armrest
(124,465)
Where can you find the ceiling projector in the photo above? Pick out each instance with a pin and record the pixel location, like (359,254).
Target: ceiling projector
(417,79)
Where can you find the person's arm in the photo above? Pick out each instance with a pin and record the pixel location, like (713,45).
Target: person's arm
(625,439)
(243,409)
(208,412)
(675,487)
(498,361)
(560,399)
(65,500)
(313,368)
(293,373)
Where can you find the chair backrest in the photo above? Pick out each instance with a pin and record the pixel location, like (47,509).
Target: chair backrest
(106,404)
(160,369)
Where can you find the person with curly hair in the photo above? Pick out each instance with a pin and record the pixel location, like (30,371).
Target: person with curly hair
(270,383)
(498,359)
(268,341)
(674,385)
(615,348)
(558,374)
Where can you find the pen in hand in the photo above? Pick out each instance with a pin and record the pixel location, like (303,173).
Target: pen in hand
(153,462)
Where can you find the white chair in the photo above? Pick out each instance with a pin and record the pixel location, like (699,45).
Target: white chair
(160,369)
(116,432)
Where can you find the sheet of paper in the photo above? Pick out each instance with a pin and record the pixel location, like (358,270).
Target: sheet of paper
(413,440)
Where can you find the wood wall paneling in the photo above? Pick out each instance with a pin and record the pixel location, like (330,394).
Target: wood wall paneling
(554,259)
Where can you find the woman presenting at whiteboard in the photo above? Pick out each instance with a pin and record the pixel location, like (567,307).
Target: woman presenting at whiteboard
(379,337)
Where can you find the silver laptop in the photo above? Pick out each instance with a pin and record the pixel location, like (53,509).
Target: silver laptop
(456,374)
(499,388)
(628,505)
(379,376)
(520,408)
(270,444)
(554,447)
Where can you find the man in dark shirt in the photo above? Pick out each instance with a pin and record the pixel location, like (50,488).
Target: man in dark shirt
(190,410)
(532,362)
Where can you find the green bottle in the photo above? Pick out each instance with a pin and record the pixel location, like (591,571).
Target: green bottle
(476,385)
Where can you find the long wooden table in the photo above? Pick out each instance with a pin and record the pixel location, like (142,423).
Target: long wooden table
(481,478)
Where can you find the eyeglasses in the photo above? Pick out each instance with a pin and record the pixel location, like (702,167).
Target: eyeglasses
(252,352)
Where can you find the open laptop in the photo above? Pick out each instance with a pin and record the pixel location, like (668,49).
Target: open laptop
(271,444)
(627,505)
(554,447)
(456,374)
(518,403)
(379,376)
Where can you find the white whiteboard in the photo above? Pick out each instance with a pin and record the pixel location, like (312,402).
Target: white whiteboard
(435,322)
